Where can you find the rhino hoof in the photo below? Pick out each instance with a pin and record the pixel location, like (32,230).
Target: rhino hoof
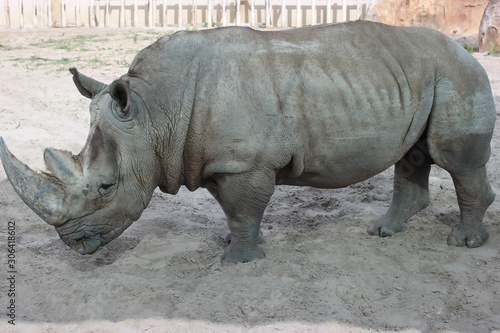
(468,236)
(386,228)
(233,256)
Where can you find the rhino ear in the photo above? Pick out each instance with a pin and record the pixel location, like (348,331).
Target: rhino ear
(87,86)
(120,92)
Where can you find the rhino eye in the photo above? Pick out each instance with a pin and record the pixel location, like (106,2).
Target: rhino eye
(121,114)
(119,111)
(105,188)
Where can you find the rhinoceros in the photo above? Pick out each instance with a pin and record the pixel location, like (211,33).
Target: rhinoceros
(238,111)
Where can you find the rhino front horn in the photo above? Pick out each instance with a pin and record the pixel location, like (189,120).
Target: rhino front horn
(41,192)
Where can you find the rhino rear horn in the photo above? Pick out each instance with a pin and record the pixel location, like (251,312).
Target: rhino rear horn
(42,193)
(63,165)
(87,86)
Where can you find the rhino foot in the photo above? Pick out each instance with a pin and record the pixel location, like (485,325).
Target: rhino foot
(470,236)
(234,255)
(387,227)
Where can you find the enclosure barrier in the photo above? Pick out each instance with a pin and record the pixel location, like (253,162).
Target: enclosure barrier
(177,13)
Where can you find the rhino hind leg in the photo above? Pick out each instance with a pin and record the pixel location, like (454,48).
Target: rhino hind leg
(410,195)
(464,157)
(474,196)
(243,198)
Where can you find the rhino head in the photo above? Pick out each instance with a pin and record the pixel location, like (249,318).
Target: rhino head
(92,197)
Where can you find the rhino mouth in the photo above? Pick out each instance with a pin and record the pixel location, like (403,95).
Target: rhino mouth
(82,243)
(79,239)
(87,234)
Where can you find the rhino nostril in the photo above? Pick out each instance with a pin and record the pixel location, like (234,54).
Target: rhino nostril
(77,236)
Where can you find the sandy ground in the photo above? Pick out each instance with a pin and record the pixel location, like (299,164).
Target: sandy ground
(323,273)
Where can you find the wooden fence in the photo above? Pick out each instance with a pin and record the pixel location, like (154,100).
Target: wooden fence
(177,13)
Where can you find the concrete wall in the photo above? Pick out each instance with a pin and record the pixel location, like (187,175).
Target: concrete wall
(452,17)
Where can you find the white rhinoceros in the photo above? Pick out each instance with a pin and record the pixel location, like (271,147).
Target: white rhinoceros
(238,111)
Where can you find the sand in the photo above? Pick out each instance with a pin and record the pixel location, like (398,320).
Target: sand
(323,272)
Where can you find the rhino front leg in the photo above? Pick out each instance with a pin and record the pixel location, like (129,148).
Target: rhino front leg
(243,198)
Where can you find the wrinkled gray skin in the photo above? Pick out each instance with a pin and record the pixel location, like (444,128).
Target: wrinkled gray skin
(238,111)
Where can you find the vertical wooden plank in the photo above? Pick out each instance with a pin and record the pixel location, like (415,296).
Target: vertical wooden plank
(329,11)
(313,13)
(122,13)
(252,13)
(268,13)
(150,16)
(93,20)
(210,21)
(344,10)
(283,13)
(194,19)
(153,13)
(358,10)
(21,14)
(39,12)
(106,19)
(224,18)
(77,19)
(49,13)
(164,14)
(39,15)
(299,14)
(97,12)
(43,14)
(91,13)
(63,13)
(35,19)
(134,20)
(238,14)
(6,6)
(181,24)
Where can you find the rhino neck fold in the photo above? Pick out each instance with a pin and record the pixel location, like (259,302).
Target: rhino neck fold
(176,153)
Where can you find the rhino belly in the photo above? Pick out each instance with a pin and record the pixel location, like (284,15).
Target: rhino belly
(344,161)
